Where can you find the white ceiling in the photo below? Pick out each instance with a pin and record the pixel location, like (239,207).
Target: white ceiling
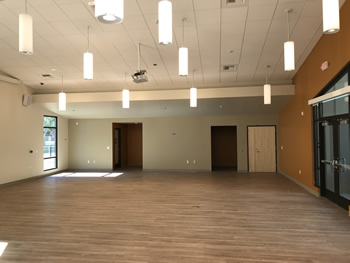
(255,31)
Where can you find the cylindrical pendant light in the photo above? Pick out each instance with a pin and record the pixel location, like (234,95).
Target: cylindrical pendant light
(62,99)
(267,94)
(331,23)
(267,89)
(289,63)
(126,96)
(26,33)
(193,100)
(193,93)
(88,61)
(165,22)
(109,11)
(183,61)
(183,54)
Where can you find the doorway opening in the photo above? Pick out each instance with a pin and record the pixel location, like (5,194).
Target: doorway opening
(127,146)
(262,149)
(224,148)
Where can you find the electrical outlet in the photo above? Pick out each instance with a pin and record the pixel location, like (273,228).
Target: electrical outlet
(194,161)
(88,161)
(187,161)
(299,171)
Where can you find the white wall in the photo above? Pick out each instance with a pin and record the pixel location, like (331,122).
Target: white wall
(167,142)
(21,131)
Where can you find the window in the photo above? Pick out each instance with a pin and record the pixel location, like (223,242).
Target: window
(50,143)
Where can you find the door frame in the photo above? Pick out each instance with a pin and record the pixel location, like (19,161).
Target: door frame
(335,196)
(275,126)
(119,149)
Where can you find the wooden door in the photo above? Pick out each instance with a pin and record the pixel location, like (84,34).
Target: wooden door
(262,149)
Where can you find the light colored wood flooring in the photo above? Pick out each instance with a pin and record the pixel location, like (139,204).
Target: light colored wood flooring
(170,217)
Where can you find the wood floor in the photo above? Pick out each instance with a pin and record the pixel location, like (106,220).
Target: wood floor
(170,217)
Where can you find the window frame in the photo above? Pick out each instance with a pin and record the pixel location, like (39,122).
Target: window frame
(56,142)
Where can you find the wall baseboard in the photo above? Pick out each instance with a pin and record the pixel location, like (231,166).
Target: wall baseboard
(315,193)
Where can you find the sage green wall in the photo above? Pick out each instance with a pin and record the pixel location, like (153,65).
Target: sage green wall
(22,131)
(167,142)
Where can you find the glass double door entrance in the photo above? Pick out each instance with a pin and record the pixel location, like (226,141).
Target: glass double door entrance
(335,160)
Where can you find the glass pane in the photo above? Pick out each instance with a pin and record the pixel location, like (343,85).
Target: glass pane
(344,153)
(335,107)
(49,142)
(328,156)
(342,83)
(49,164)
(50,121)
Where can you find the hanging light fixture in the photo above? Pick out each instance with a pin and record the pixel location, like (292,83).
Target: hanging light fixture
(289,64)
(109,12)
(183,54)
(62,99)
(26,33)
(88,61)
(126,96)
(193,93)
(331,23)
(267,89)
(165,22)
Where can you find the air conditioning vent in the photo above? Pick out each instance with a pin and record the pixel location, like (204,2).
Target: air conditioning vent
(47,76)
(233,3)
(229,68)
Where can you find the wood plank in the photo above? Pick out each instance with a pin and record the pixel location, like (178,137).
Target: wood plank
(170,217)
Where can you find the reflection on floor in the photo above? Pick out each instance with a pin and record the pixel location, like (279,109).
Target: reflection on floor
(3,246)
(87,175)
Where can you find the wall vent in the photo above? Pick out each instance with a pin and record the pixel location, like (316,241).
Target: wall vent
(229,68)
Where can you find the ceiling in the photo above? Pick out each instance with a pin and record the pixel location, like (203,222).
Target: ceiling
(249,34)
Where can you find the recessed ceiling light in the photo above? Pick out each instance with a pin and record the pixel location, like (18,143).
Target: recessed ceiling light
(155,64)
(230,51)
(220,106)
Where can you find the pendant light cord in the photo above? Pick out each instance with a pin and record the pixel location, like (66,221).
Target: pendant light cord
(193,77)
(25,6)
(138,57)
(288,30)
(267,72)
(183,31)
(125,81)
(88,37)
(62,84)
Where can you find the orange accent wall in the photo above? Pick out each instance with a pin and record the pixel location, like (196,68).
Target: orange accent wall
(295,132)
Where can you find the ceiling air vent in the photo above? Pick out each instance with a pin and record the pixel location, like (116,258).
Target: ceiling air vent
(233,3)
(47,76)
(229,68)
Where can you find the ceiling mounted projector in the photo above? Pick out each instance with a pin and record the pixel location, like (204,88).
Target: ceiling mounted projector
(139,76)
